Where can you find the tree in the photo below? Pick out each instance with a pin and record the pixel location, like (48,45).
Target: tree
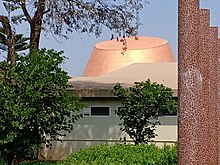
(62,17)
(20,42)
(35,107)
(141,105)
(9,41)
(6,29)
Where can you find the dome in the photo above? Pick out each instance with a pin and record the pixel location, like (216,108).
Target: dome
(109,56)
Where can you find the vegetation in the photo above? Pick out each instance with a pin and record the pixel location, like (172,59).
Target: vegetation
(41,163)
(118,154)
(35,163)
(141,105)
(20,41)
(121,154)
(62,17)
(35,106)
(9,40)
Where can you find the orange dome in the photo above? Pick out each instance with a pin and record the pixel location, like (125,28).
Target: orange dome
(108,56)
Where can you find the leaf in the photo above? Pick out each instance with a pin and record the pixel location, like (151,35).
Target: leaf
(141,105)
(10,6)
(3,47)
(17,18)
(7,6)
(35,106)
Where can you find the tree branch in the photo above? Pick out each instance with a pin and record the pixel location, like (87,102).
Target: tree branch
(24,9)
(40,10)
(46,11)
(2,29)
(36,25)
(4,20)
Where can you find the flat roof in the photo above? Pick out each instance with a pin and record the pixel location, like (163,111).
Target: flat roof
(163,73)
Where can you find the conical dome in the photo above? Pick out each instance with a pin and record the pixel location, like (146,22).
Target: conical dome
(108,56)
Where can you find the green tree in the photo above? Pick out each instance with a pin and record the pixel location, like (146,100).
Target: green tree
(141,105)
(6,29)
(9,41)
(20,41)
(34,105)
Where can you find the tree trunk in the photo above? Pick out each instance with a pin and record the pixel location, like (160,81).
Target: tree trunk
(12,160)
(11,49)
(35,36)
(10,39)
(36,25)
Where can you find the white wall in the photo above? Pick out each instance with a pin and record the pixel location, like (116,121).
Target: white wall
(95,130)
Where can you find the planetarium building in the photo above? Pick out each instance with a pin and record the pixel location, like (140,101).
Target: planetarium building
(126,61)
(115,54)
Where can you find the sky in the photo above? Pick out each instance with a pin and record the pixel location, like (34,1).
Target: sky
(159,19)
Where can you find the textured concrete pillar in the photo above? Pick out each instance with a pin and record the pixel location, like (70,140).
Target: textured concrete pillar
(219,99)
(188,82)
(203,113)
(213,96)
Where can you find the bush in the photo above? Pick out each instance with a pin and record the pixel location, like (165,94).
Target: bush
(141,105)
(33,162)
(40,163)
(120,154)
(36,106)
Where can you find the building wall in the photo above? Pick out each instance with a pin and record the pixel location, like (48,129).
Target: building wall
(96,130)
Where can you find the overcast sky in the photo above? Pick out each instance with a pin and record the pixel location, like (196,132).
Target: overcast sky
(159,19)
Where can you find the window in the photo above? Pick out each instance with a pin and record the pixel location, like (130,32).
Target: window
(102,111)
(171,114)
(99,111)
(86,112)
(166,114)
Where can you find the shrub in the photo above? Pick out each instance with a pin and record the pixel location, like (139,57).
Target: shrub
(120,154)
(141,105)
(36,106)
(40,163)
(34,163)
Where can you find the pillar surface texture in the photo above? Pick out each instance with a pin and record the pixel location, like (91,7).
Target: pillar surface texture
(218,99)
(213,96)
(188,82)
(203,113)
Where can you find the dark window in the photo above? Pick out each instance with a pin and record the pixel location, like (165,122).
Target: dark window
(166,114)
(99,111)
(171,114)
(86,114)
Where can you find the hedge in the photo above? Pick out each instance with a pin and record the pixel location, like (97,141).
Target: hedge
(120,154)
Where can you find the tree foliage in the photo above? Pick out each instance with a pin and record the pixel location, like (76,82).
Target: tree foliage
(34,105)
(6,30)
(120,154)
(62,17)
(141,105)
(9,40)
(20,42)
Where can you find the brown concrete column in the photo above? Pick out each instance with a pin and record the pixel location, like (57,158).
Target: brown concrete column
(188,82)
(213,96)
(219,100)
(203,113)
